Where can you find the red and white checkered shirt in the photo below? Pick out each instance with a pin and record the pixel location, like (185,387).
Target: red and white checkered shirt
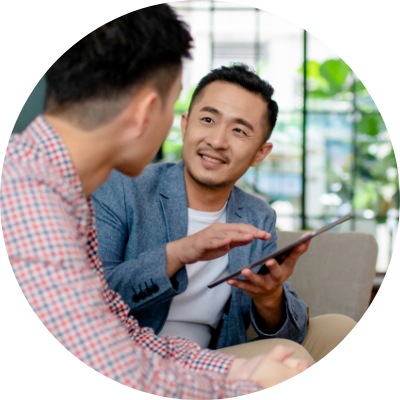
(49,231)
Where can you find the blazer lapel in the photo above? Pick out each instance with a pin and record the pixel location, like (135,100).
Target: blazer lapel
(234,214)
(174,203)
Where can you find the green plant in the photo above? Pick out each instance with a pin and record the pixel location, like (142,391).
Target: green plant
(373,169)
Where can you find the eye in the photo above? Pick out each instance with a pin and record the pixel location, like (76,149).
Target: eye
(240,132)
(207,120)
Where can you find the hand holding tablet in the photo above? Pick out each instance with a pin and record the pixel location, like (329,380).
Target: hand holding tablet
(281,253)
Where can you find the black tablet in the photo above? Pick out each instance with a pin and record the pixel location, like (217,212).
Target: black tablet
(279,254)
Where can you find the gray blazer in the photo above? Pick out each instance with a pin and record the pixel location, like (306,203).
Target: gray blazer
(136,217)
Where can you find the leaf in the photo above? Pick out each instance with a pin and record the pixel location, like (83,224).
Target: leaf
(335,71)
(370,124)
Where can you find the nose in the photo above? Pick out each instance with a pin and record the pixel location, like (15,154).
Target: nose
(218,138)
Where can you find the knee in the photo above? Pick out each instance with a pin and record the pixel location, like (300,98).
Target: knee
(332,322)
(325,332)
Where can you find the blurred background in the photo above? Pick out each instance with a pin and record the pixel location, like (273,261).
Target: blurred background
(332,154)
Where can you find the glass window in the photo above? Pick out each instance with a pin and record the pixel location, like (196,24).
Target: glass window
(332,154)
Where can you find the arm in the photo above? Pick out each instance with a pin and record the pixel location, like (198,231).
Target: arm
(73,301)
(51,245)
(64,292)
(135,252)
(276,310)
(279,314)
(132,248)
(101,341)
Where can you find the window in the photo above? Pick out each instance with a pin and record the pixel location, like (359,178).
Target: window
(332,153)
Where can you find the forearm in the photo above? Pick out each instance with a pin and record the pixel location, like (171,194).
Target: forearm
(212,371)
(169,368)
(294,323)
(271,312)
(173,258)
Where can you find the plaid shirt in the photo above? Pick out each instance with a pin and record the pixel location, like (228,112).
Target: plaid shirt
(49,231)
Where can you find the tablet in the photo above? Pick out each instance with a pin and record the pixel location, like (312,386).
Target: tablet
(279,254)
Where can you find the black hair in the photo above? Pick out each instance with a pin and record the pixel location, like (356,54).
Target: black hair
(242,75)
(146,45)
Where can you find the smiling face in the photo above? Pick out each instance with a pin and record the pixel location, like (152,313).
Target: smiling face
(224,135)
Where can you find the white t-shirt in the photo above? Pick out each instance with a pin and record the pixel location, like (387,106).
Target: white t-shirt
(194,312)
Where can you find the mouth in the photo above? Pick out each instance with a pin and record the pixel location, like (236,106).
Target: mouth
(212,158)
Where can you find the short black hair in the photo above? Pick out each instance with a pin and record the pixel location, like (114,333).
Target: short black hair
(142,46)
(244,76)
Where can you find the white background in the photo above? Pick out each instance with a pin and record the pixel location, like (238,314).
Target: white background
(35,33)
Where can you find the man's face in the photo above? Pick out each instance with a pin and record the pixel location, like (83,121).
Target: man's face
(224,134)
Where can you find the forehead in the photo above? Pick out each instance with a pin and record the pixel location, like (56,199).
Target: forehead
(233,101)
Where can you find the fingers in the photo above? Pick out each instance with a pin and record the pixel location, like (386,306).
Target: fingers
(288,261)
(253,278)
(283,354)
(241,229)
(232,235)
(302,248)
(274,267)
(276,367)
(280,353)
(294,363)
(214,241)
(256,285)
(253,284)
(237,231)
(251,289)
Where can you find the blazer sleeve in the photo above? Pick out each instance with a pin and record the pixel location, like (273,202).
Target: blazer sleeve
(142,281)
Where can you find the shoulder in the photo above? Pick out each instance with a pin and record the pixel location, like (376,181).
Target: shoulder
(148,181)
(29,172)
(155,172)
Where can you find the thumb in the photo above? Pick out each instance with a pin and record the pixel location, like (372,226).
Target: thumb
(280,353)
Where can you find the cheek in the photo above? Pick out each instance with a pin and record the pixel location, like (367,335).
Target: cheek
(198,136)
(244,158)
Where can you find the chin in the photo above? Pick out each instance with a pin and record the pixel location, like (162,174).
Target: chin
(211,183)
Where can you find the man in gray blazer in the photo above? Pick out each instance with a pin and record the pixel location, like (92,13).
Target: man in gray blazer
(166,235)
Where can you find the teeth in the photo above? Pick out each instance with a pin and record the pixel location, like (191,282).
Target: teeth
(213,160)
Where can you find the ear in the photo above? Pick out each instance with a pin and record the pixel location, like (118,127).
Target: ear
(264,150)
(142,107)
(184,119)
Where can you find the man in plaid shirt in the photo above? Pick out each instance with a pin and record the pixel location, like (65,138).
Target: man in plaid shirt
(109,104)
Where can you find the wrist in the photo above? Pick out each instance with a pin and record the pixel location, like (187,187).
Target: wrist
(173,255)
(272,301)
(242,368)
(270,313)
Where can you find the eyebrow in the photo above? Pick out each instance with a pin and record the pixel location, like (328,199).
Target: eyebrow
(241,121)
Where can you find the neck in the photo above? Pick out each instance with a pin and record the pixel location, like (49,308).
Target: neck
(89,152)
(203,198)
